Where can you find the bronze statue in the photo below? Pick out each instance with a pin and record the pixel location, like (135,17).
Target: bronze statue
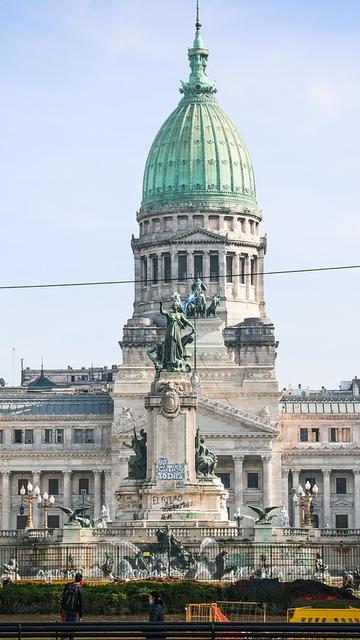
(195,304)
(171,355)
(205,460)
(137,463)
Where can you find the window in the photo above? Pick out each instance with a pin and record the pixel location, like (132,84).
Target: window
(229,268)
(82,436)
(53,522)
(252,480)
(156,225)
(214,223)
(315,435)
(242,269)
(1,436)
(340,484)
(198,265)
(144,271)
(198,221)
(214,267)
(18,436)
(168,224)
(48,436)
(21,522)
(229,223)
(253,270)
(59,436)
(341,521)
(251,224)
(315,520)
(53,486)
(304,435)
(89,436)
(155,269)
(242,224)
(83,486)
(225,479)
(78,436)
(167,267)
(340,434)
(23,482)
(29,436)
(182,222)
(182,267)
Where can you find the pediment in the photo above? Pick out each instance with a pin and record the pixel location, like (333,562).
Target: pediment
(217,418)
(198,235)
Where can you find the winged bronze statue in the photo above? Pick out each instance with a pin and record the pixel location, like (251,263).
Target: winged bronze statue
(263,514)
(74,513)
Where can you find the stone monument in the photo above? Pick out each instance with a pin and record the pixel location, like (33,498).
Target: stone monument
(179,482)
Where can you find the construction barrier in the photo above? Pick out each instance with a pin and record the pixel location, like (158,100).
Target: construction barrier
(225,611)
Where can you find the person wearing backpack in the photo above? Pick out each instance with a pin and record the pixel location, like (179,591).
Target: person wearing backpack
(72,601)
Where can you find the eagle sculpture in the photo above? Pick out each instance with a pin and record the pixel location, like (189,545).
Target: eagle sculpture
(263,514)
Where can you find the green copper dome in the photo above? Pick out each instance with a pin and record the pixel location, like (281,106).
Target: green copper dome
(198,157)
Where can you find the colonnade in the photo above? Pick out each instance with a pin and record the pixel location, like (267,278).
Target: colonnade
(99,491)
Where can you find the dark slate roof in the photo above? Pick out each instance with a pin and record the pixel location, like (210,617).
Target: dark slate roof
(41,382)
(49,404)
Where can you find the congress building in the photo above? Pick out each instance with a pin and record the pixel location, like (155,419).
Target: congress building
(199,229)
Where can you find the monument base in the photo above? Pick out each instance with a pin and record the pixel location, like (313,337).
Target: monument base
(203,501)
(263,532)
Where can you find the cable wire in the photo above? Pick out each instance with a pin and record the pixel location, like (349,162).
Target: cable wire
(52,285)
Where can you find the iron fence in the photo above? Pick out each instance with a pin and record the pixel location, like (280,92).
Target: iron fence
(179,630)
(208,560)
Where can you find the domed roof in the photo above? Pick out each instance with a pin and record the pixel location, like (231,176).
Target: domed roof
(198,157)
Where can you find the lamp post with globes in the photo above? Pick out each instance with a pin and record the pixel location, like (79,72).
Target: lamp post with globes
(303,500)
(45,502)
(29,494)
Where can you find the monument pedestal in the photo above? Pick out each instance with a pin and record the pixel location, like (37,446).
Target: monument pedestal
(263,532)
(172,491)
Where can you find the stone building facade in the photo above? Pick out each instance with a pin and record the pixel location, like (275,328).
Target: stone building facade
(70,430)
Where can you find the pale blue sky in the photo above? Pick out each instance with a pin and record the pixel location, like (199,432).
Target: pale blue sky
(84,87)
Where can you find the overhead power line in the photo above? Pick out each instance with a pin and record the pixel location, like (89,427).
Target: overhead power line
(50,285)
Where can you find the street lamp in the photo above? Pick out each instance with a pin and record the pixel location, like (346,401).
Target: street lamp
(303,500)
(29,494)
(45,502)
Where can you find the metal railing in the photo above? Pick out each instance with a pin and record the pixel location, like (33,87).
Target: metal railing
(179,630)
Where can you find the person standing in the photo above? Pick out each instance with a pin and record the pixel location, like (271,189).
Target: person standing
(72,601)
(157,607)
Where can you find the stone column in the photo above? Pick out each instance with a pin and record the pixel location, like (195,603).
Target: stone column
(285,487)
(5,512)
(97,493)
(109,494)
(357,498)
(139,286)
(267,492)
(238,482)
(222,274)
(295,477)
(206,270)
(326,499)
(247,276)
(261,297)
(236,275)
(37,513)
(67,489)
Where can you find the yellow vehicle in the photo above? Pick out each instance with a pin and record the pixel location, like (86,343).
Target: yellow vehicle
(308,614)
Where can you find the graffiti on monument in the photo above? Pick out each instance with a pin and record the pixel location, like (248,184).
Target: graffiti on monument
(172,503)
(170,471)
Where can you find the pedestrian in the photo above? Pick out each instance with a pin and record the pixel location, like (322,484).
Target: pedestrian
(72,601)
(157,607)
